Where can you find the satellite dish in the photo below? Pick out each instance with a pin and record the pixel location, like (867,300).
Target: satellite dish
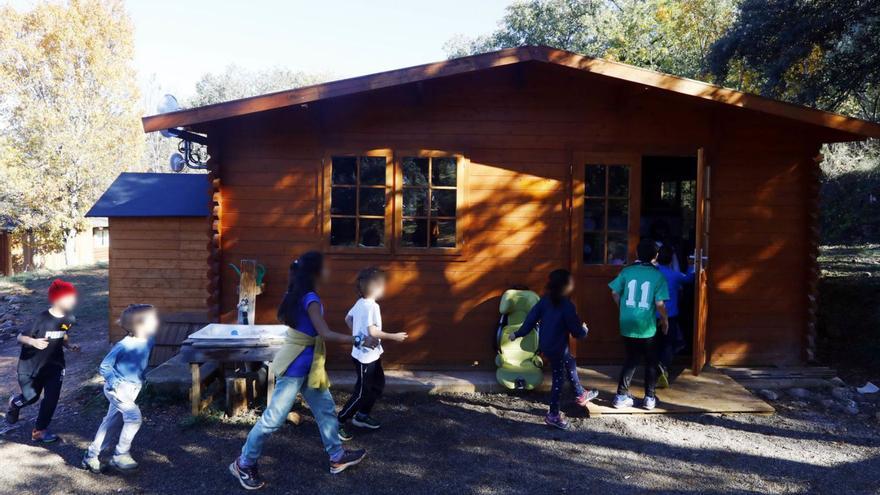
(177,162)
(168,104)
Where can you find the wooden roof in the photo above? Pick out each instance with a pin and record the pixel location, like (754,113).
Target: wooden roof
(511,56)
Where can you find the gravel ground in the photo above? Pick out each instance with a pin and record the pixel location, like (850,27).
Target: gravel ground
(471,444)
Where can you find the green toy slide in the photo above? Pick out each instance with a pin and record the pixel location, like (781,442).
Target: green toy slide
(519,366)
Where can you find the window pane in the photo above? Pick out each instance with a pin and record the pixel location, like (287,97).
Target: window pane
(594,214)
(373,170)
(415,171)
(594,248)
(415,233)
(443,202)
(444,171)
(618,181)
(595,180)
(415,202)
(344,170)
(342,231)
(618,214)
(443,233)
(342,200)
(372,233)
(372,201)
(617,249)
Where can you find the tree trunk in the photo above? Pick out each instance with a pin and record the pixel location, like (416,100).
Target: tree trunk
(70,247)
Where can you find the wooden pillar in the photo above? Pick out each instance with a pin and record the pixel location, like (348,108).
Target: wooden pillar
(215,257)
(811,333)
(5,254)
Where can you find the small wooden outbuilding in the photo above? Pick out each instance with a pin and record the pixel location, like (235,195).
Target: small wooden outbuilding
(159,254)
(470,176)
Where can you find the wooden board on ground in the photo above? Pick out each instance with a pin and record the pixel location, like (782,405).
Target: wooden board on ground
(711,392)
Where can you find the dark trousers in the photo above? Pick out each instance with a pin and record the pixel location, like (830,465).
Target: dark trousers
(564,368)
(48,383)
(670,343)
(369,387)
(639,351)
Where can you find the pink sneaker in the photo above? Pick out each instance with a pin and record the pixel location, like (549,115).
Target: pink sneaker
(587,396)
(557,421)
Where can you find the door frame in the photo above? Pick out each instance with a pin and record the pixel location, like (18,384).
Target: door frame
(701,262)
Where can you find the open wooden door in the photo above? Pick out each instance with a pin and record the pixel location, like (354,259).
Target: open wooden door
(701,262)
(606,195)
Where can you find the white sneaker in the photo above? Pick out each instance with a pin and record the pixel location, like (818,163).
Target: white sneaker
(621,401)
(649,403)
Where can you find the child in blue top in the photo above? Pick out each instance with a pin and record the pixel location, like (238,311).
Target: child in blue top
(673,340)
(558,319)
(302,311)
(123,371)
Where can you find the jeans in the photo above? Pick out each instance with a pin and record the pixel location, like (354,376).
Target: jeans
(286,389)
(564,368)
(124,413)
(48,383)
(670,343)
(639,351)
(369,387)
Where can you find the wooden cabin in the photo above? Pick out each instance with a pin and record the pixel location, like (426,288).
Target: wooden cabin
(159,253)
(470,176)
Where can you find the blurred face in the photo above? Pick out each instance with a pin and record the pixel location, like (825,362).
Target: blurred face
(66,303)
(569,287)
(147,325)
(376,288)
(324,276)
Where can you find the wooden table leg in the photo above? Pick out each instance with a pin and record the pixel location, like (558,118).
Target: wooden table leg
(195,391)
(270,386)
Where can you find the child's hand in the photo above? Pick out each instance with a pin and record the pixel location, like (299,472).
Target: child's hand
(399,336)
(73,347)
(39,343)
(586,329)
(370,342)
(512,336)
(664,326)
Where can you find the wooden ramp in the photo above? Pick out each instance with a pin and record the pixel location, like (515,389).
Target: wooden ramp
(711,392)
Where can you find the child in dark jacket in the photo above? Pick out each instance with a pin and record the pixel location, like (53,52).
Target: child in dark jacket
(558,319)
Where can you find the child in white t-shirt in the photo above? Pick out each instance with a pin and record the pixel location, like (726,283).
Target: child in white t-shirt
(365,319)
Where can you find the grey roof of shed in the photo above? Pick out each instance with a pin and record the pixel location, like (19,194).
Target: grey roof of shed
(155,195)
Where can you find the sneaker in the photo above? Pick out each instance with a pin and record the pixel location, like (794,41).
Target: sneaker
(365,421)
(587,396)
(349,458)
(344,435)
(557,421)
(13,412)
(92,464)
(43,436)
(649,403)
(123,462)
(663,378)
(249,477)
(621,401)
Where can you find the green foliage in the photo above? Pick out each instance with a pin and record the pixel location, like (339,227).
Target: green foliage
(672,36)
(68,111)
(235,82)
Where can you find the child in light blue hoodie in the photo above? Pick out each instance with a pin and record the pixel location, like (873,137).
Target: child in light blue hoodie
(123,371)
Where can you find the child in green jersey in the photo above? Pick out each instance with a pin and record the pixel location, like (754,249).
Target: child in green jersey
(639,291)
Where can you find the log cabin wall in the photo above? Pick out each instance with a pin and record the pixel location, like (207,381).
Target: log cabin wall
(158,261)
(518,127)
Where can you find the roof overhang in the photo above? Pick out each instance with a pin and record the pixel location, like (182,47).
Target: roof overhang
(502,58)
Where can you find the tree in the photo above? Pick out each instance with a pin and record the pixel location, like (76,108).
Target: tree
(68,109)
(672,36)
(815,52)
(236,82)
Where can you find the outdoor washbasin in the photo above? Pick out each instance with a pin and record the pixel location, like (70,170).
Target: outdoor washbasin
(219,332)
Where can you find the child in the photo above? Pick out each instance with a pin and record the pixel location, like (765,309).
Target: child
(41,364)
(559,319)
(365,319)
(643,289)
(299,368)
(123,371)
(673,340)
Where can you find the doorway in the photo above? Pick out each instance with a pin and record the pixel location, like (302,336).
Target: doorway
(669,216)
